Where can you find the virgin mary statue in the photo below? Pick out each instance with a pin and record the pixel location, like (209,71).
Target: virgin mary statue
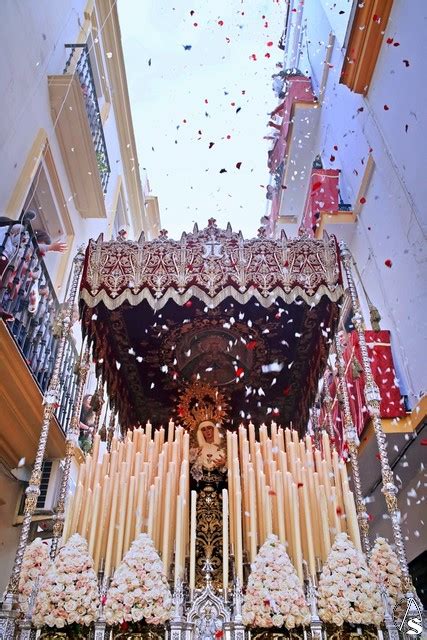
(211,453)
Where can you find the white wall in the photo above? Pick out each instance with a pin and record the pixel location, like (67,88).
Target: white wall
(33,37)
(393,221)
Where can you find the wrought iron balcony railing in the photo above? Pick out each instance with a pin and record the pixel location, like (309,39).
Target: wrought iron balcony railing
(79,63)
(27,293)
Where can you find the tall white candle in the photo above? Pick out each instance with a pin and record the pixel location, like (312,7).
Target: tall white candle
(193,530)
(225,550)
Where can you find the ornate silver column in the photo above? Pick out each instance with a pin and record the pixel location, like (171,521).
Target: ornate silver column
(315,623)
(328,404)
(353,445)
(111,429)
(373,398)
(8,611)
(71,442)
(99,395)
(26,631)
(392,631)
(315,422)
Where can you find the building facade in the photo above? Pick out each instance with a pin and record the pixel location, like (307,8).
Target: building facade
(345,158)
(68,155)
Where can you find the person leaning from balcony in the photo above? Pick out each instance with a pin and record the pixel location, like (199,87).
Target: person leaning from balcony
(14,241)
(87,423)
(270,192)
(278,83)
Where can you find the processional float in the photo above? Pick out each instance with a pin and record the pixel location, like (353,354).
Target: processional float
(191,516)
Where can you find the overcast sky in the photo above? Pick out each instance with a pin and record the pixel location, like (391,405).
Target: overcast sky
(183,100)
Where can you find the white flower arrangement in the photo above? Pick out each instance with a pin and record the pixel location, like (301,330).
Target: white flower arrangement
(385,568)
(139,589)
(274,595)
(69,590)
(347,591)
(35,564)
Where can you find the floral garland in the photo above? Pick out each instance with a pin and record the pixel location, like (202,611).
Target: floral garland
(35,564)
(386,570)
(139,589)
(274,595)
(347,591)
(69,590)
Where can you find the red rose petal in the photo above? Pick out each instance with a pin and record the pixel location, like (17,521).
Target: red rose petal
(362,200)
(423,442)
(388,263)
(386,107)
(221,23)
(270,44)
(238,165)
(389,40)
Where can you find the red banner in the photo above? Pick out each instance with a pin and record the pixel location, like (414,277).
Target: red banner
(322,196)
(381,358)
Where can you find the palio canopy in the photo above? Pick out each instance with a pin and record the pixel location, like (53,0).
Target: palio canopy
(254,317)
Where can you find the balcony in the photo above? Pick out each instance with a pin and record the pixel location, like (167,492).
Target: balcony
(28,347)
(323,205)
(76,115)
(294,147)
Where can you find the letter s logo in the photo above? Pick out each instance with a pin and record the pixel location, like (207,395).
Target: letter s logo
(415,626)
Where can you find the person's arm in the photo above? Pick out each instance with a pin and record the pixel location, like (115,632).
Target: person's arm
(54,246)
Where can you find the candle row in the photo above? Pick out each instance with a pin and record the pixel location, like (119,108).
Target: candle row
(279,483)
(142,485)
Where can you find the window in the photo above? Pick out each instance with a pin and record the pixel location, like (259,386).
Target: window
(98,69)
(45,198)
